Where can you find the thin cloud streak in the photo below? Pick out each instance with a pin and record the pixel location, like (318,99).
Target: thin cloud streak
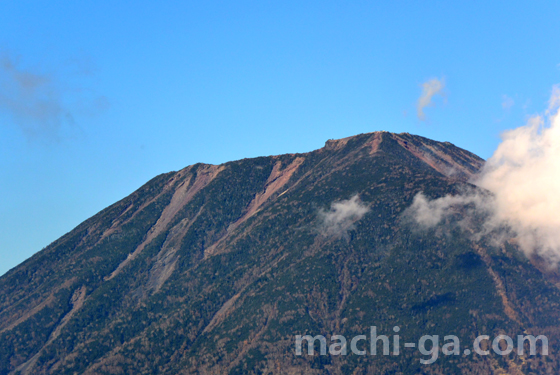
(430,88)
(38,103)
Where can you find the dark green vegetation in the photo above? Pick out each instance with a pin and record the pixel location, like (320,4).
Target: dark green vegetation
(215,269)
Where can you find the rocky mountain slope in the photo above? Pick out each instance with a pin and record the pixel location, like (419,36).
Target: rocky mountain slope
(215,268)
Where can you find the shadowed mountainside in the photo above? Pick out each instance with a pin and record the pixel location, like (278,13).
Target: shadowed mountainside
(215,268)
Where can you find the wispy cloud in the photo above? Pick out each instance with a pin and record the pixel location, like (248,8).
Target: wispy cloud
(430,88)
(36,101)
(507,103)
(341,216)
(523,178)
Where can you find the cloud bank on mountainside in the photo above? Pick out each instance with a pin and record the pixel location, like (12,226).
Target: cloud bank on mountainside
(523,179)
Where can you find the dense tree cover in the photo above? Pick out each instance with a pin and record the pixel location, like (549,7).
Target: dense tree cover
(236,289)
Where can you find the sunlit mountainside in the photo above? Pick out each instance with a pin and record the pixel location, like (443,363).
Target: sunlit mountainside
(215,269)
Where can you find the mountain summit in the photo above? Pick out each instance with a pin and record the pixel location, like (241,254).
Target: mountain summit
(216,269)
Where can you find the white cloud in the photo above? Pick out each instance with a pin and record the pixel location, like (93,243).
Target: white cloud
(342,215)
(523,177)
(430,88)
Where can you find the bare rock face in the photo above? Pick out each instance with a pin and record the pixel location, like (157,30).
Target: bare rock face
(216,269)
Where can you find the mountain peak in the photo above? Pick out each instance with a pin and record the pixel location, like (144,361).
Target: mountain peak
(444,157)
(215,268)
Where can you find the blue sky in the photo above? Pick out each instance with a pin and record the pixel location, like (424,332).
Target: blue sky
(97,97)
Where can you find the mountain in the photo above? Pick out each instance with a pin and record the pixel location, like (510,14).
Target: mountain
(215,269)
